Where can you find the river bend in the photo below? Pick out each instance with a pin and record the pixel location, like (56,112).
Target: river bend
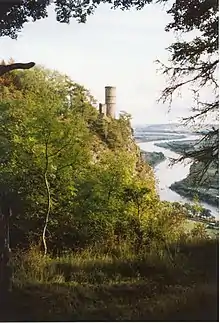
(167,175)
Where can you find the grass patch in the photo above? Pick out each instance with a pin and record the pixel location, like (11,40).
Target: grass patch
(94,287)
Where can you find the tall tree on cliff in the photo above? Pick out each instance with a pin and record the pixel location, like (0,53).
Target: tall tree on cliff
(193,63)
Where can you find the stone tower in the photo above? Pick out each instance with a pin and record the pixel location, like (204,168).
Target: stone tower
(110,101)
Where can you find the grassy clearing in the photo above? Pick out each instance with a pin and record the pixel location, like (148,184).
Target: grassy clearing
(191,224)
(91,286)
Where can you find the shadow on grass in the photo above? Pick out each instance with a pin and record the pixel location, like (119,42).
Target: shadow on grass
(121,302)
(122,290)
(194,261)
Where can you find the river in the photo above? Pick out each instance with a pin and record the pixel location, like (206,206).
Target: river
(166,174)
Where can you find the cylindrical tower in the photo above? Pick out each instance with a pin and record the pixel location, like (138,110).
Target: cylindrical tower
(110,100)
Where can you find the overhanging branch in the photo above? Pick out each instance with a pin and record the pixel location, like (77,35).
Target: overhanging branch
(15,66)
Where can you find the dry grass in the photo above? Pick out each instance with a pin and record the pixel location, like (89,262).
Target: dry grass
(95,287)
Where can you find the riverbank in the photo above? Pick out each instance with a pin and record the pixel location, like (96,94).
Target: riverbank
(205,187)
(197,215)
(207,195)
(178,147)
(156,137)
(213,233)
(153,158)
(166,175)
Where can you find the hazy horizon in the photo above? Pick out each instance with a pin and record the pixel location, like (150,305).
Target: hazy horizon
(173,123)
(115,48)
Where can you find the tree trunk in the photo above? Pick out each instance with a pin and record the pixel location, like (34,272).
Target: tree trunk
(5,269)
(48,202)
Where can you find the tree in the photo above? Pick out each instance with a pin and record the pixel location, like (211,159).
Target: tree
(63,181)
(193,63)
(44,142)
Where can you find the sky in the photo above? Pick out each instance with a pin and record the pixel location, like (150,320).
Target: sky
(116,48)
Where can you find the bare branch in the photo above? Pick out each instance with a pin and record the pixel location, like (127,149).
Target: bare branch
(15,66)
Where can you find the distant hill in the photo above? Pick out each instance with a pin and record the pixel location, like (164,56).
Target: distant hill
(173,128)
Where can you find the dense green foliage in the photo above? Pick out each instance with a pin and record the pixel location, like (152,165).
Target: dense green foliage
(80,191)
(72,178)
